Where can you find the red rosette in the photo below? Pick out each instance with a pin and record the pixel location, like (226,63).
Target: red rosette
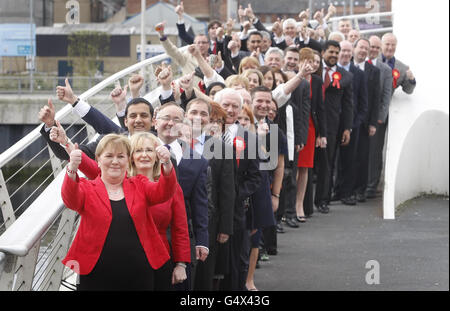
(336,78)
(395,76)
(239,146)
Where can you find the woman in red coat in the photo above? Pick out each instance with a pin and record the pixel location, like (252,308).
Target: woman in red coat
(117,246)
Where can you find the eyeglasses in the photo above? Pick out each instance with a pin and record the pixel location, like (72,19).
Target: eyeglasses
(168,119)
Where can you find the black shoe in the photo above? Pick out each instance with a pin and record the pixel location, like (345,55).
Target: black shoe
(348,201)
(272,251)
(371,194)
(361,197)
(291,223)
(280,228)
(323,208)
(335,197)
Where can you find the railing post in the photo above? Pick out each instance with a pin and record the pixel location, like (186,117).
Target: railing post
(7,271)
(55,162)
(5,203)
(59,251)
(25,269)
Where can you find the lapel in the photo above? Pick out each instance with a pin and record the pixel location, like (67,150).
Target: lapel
(102,194)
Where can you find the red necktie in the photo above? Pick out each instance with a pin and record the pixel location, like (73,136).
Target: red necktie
(327,81)
(370,61)
(215,48)
(193,142)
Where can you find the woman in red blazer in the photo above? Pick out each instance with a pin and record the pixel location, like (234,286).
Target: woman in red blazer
(117,246)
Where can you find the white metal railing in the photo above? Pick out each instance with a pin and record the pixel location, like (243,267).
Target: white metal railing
(27,260)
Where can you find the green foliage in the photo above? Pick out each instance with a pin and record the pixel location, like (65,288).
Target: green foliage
(85,49)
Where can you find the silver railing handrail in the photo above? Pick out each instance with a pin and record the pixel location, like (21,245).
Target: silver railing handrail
(36,219)
(23,143)
(359,16)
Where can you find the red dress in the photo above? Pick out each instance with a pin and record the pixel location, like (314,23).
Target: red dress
(306,155)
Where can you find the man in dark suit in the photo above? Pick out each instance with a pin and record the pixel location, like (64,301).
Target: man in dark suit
(338,101)
(369,125)
(192,177)
(221,190)
(347,154)
(247,181)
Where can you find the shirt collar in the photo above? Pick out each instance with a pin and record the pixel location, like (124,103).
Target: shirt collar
(347,67)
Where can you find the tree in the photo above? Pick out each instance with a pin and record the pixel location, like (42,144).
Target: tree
(85,50)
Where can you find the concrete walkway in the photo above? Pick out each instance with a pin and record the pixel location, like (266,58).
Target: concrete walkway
(330,251)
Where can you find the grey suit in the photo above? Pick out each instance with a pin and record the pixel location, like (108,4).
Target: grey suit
(407,85)
(385,87)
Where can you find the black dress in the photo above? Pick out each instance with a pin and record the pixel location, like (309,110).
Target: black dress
(123,264)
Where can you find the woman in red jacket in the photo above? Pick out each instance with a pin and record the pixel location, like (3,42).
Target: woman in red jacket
(171,213)
(117,246)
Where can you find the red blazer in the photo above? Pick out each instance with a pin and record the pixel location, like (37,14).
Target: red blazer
(90,199)
(171,212)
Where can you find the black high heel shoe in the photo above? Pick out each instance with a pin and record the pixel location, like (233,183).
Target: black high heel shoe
(300,218)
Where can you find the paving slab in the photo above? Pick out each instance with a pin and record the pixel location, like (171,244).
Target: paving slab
(343,249)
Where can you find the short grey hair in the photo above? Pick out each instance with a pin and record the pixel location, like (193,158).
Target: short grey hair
(274,49)
(336,33)
(289,21)
(265,34)
(227,91)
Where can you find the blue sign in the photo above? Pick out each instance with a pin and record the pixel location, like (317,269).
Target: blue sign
(17,39)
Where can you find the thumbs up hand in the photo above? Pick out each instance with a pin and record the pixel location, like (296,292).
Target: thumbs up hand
(58,134)
(65,93)
(75,158)
(47,114)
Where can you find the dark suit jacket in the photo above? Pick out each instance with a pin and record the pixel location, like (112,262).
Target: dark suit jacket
(318,111)
(372,74)
(221,187)
(360,106)
(313,44)
(339,101)
(192,175)
(300,98)
(247,177)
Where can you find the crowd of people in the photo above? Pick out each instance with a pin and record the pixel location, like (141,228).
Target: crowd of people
(191,190)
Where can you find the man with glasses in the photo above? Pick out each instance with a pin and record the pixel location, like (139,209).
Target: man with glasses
(192,177)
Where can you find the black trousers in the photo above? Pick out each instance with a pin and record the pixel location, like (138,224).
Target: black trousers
(239,261)
(308,202)
(346,169)
(325,165)
(362,160)
(288,190)
(376,157)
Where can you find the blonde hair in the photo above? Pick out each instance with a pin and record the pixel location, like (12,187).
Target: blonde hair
(116,141)
(248,61)
(137,141)
(248,72)
(237,79)
(248,111)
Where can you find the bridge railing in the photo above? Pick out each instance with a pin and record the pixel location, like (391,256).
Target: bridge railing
(36,230)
